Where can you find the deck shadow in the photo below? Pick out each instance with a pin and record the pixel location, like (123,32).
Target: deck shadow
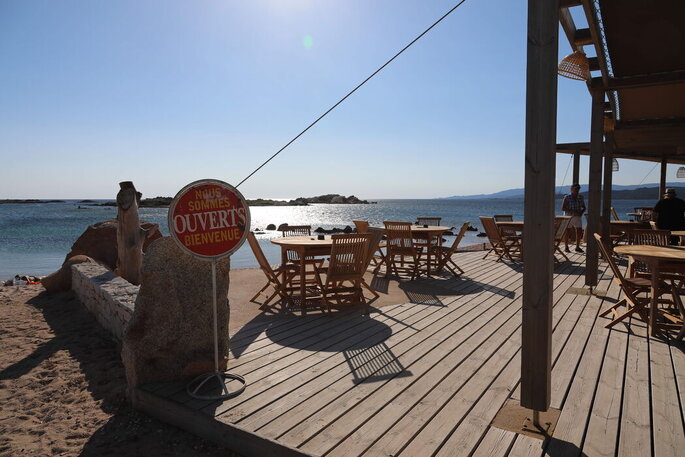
(357,326)
(374,364)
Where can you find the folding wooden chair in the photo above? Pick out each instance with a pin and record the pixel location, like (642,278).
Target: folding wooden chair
(651,238)
(444,254)
(401,244)
(361,226)
(273,276)
(653,225)
(614,214)
(560,226)
(501,246)
(294,257)
(349,259)
(631,288)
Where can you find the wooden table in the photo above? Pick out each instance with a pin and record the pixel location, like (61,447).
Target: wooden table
(654,256)
(428,233)
(305,246)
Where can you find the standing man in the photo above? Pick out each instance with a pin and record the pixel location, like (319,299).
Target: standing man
(669,213)
(573,205)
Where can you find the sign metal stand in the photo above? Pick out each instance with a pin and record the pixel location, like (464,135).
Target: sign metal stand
(220,376)
(201,387)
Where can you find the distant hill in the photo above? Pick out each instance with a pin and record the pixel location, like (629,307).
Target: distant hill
(619,192)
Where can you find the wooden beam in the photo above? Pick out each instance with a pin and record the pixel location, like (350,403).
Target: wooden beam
(569,3)
(656,79)
(662,178)
(649,135)
(582,37)
(588,8)
(594,188)
(540,165)
(606,194)
(576,167)
(594,63)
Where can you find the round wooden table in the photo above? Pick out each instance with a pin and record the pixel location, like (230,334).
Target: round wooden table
(305,246)
(654,256)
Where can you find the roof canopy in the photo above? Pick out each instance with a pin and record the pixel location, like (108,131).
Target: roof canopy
(640,48)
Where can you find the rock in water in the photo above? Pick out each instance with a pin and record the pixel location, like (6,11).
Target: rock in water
(170,335)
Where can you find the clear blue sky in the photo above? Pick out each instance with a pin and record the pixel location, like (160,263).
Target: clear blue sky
(166,92)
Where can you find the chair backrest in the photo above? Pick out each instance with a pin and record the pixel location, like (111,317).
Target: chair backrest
(653,225)
(491,229)
(618,276)
(399,235)
(297,230)
(376,237)
(503,217)
(349,254)
(560,227)
(362,226)
(457,240)
(614,214)
(651,237)
(428,220)
(259,255)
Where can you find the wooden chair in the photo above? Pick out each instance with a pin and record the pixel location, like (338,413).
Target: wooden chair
(401,244)
(631,287)
(273,276)
(503,217)
(444,254)
(428,220)
(361,226)
(501,246)
(614,214)
(653,225)
(294,257)
(561,224)
(378,258)
(348,262)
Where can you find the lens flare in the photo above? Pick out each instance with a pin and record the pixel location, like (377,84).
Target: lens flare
(307,42)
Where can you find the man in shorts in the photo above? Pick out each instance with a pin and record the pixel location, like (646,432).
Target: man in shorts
(573,205)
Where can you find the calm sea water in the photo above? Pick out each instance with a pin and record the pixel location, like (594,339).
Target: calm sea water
(34,238)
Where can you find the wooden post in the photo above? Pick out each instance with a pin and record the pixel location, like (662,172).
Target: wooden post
(594,187)
(606,194)
(130,236)
(576,168)
(662,178)
(538,238)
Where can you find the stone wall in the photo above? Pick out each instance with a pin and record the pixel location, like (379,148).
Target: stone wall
(110,298)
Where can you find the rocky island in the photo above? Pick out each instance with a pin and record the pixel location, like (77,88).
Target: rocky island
(163,202)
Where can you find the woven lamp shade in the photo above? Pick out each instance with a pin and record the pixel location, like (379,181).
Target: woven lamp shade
(575,66)
(614,165)
(680,173)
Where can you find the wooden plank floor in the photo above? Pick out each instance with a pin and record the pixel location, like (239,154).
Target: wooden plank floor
(426,377)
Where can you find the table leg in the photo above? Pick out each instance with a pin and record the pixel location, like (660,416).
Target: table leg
(655,301)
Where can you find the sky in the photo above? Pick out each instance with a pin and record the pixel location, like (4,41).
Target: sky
(165,92)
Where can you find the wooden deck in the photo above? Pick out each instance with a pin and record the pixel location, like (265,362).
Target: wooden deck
(426,378)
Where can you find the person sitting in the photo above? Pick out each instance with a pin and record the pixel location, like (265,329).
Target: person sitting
(573,205)
(669,213)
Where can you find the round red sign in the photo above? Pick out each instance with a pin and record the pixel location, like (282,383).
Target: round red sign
(209,218)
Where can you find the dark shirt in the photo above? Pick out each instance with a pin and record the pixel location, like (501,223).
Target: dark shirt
(670,214)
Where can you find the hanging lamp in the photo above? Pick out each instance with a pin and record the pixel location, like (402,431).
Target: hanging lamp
(575,66)
(614,165)
(680,173)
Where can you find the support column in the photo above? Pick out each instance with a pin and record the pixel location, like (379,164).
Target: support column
(606,193)
(595,186)
(576,168)
(538,238)
(662,179)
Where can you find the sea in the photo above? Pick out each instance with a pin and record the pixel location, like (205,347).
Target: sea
(34,238)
